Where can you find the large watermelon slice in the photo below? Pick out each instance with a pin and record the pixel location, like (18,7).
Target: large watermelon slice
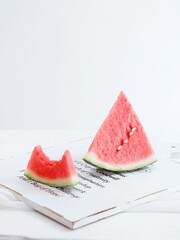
(58,173)
(121,143)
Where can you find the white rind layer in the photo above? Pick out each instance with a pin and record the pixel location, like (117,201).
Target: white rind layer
(54,183)
(92,158)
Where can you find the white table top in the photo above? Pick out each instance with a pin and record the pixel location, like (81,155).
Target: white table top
(155,220)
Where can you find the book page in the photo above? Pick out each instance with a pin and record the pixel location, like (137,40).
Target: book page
(99,194)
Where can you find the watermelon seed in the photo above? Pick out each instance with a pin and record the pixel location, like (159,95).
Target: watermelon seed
(131,133)
(133,129)
(119,148)
(125,141)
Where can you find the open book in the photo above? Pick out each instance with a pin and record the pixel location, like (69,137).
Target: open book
(99,194)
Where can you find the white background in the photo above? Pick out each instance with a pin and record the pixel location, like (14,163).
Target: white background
(63,63)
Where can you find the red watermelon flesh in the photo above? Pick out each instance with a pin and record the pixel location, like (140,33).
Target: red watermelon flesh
(58,173)
(121,143)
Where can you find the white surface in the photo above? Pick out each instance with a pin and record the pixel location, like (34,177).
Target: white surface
(63,62)
(159,219)
(113,192)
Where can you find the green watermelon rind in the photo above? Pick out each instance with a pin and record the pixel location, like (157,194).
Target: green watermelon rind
(92,159)
(72,181)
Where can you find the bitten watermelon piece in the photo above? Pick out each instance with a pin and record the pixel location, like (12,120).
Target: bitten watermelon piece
(121,143)
(57,173)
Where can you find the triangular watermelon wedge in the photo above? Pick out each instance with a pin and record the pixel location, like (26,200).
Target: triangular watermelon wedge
(121,143)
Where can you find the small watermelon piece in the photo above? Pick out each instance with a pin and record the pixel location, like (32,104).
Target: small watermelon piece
(121,143)
(57,173)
